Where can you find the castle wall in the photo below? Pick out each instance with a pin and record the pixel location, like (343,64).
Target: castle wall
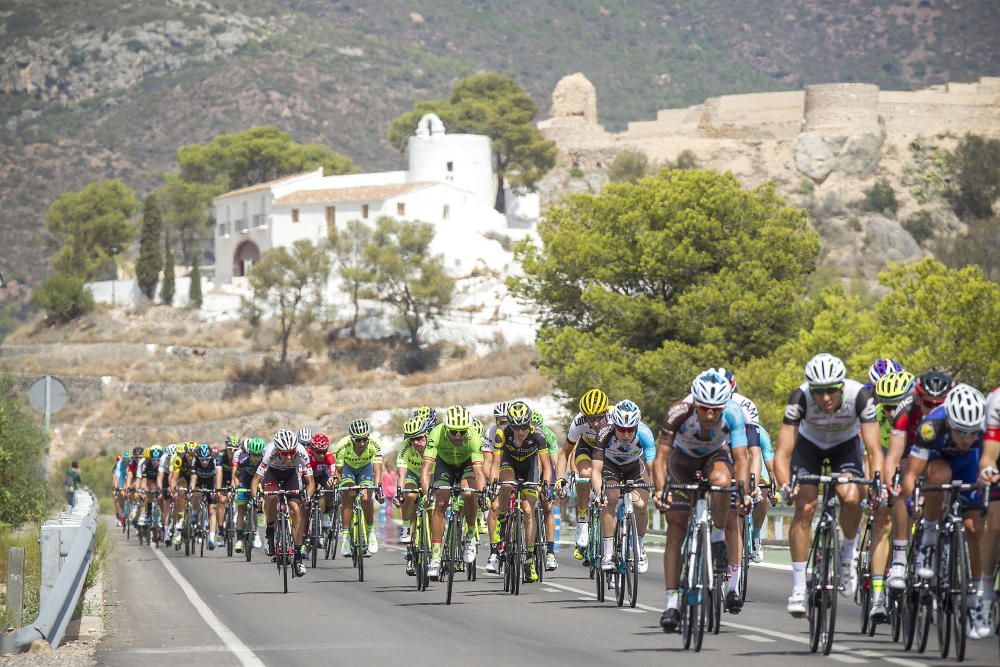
(850,108)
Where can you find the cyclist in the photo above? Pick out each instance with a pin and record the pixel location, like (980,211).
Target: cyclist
(822,420)
(147,473)
(619,454)
(580,439)
(524,457)
(765,473)
(226,459)
(283,466)
(988,474)
(879,368)
(453,455)
(119,474)
(949,442)
(246,466)
(538,422)
(323,464)
(163,484)
(491,470)
(890,390)
(408,463)
(704,435)
(180,469)
(428,414)
(206,477)
(358,456)
(930,389)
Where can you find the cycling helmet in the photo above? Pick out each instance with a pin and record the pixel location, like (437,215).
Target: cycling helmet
(320,442)
(171,450)
(428,413)
(203,451)
(934,384)
(825,370)
(892,387)
(284,440)
(594,403)
(359,428)
(305,435)
(137,452)
(181,449)
(519,414)
(155,452)
(536,418)
(477,426)
(500,410)
(127,454)
(881,367)
(457,418)
(726,373)
(626,414)
(710,389)
(215,449)
(414,427)
(966,408)
(256,446)
(233,440)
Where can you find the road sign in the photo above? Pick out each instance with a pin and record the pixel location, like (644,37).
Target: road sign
(54,396)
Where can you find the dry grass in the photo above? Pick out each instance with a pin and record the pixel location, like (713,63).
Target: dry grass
(174,369)
(516,360)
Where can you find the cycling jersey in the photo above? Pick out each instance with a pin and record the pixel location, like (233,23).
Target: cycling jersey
(829,429)
(181,464)
(245,465)
(551,441)
(533,444)
(681,422)
(934,439)
(992,425)
(884,425)
(408,459)
(489,439)
(321,464)
(147,469)
(752,418)
(440,446)
(609,448)
(204,469)
(766,454)
(346,455)
(579,430)
(273,461)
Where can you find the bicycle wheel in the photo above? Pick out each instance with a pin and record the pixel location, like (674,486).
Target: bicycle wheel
(959,589)
(540,542)
(631,561)
(817,569)
(315,532)
(894,609)
(452,547)
(702,585)
(520,551)
(943,596)
(718,584)
(186,531)
(282,551)
(361,545)
(203,528)
(618,558)
(249,530)
(425,552)
(594,547)
(471,573)
(832,591)
(745,560)
(685,591)
(863,594)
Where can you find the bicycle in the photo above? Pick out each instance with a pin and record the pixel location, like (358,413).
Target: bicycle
(250,528)
(696,581)
(228,528)
(625,575)
(746,556)
(315,531)
(823,563)
(918,598)
(513,549)
(418,551)
(452,560)
(863,594)
(200,532)
(359,530)
(333,532)
(283,543)
(594,552)
(952,571)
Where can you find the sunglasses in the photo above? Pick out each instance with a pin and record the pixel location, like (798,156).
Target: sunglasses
(706,409)
(526,427)
(360,441)
(890,407)
(967,434)
(287,455)
(626,429)
(455,434)
(826,390)
(419,439)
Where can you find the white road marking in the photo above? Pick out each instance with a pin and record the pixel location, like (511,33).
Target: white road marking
(634,611)
(848,659)
(904,661)
(551,590)
(756,638)
(232,642)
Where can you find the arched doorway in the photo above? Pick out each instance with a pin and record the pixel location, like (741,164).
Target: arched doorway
(247,254)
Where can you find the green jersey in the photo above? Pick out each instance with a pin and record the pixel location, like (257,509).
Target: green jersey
(551,441)
(884,424)
(409,458)
(440,446)
(344,453)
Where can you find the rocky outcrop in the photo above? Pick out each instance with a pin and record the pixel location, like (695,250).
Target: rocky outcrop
(818,156)
(886,241)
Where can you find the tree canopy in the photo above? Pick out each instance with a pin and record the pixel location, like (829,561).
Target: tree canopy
(494,105)
(647,283)
(348,245)
(150,261)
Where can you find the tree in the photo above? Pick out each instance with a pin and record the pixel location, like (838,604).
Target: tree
(494,105)
(22,497)
(646,283)
(406,275)
(288,285)
(194,291)
(348,246)
(63,297)
(185,205)
(976,163)
(90,222)
(167,288)
(257,155)
(628,167)
(150,262)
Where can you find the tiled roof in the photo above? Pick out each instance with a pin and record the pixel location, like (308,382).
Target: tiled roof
(262,186)
(360,193)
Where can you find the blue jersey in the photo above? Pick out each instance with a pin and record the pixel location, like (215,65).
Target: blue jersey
(648,443)
(934,439)
(766,448)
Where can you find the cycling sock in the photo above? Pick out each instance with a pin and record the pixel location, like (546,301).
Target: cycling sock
(755,533)
(642,541)
(899,552)
(878,584)
(799,576)
(735,573)
(495,548)
(847,550)
(269,532)
(550,547)
(673,599)
(436,550)
(718,534)
(606,545)
(930,534)
(986,586)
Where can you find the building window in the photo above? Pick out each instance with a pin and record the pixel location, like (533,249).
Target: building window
(295,215)
(451,166)
(222,229)
(445,212)
(400,209)
(364,211)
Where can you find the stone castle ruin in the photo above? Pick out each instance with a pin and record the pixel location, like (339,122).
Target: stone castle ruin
(839,136)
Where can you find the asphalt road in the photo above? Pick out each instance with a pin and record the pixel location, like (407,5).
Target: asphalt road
(167,609)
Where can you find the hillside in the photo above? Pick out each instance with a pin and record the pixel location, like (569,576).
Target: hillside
(101,89)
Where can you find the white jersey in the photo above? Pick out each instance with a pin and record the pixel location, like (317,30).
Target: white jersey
(993,415)
(165,463)
(750,413)
(490,439)
(272,459)
(827,430)
(579,430)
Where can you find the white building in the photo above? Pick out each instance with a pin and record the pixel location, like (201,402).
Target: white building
(449,183)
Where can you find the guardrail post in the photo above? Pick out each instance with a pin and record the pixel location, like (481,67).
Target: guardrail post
(14,611)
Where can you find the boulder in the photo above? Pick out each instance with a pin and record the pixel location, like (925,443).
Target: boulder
(886,241)
(860,155)
(814,157)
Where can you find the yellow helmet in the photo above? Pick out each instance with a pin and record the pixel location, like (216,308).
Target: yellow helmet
(594,403)
(414,427)
(146,452)
(457,418)
(519,414)
(181,449)
(892,387)
(477,426)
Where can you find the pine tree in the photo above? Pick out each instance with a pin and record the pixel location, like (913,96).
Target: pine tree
(167,289)
(194,292)
(150,262)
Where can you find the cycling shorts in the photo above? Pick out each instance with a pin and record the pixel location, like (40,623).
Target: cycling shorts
(584,452)
(845,458)
(286,480)
(449,475)
(634,471)
(363,476)
(683,469)
(524,471)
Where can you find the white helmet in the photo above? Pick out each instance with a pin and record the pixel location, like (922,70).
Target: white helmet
(626,414)
(284,440)
(966,408)
(171,450)
(500,410)
(305,436)
(824,370)
(711,389)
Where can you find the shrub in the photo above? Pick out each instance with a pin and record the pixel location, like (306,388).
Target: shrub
(976,164)
(63,298)
(686,160)
(920,225)
(881,198)
(628,167)
(22,497)
(575,171)
(409,359)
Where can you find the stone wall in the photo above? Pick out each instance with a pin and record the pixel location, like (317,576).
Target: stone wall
(847,108)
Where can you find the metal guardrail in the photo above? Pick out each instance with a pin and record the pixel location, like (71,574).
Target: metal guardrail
(67,545)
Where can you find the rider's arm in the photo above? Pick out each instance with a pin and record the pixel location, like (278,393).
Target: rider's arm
(783,454)
(546,461)
(664,444)
(254,483)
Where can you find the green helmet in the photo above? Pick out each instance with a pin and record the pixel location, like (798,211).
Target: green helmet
(536,418)
(256,446)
